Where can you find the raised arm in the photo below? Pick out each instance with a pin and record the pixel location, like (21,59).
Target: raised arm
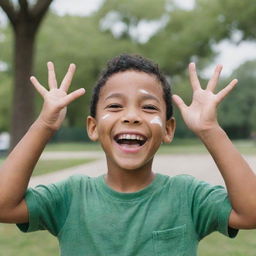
(18,167)
(201,118)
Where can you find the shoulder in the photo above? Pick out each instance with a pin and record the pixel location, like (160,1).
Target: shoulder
(193,186)
(179,184)
(182,180)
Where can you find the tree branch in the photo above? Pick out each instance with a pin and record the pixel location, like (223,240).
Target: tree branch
(8,8)
(24,7)
(40,9)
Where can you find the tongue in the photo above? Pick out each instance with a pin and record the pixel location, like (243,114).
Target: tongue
(130,143)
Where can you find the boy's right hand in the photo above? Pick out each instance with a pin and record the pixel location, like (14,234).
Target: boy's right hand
(56,99)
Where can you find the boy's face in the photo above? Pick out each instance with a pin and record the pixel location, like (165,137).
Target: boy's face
(131,121)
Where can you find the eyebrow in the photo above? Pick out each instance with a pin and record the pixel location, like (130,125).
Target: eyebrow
(144,96)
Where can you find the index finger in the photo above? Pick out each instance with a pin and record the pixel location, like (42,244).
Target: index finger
(193,76)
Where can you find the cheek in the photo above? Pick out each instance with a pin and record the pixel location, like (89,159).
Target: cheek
(157,121)
(105,117)
(105,123)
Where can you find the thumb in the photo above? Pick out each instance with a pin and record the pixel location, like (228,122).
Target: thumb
(179,102)
(72,96)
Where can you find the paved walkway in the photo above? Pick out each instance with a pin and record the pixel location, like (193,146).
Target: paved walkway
(200,166)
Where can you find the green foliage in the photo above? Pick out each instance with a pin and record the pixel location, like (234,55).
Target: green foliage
(231,15)
(135,10)
(188,35)
(238,111)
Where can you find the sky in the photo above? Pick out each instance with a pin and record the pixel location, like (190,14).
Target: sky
(231,55)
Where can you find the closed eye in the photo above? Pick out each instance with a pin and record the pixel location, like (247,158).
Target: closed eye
(150,108)
(114,106)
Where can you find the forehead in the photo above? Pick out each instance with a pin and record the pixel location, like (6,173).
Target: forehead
(130,82)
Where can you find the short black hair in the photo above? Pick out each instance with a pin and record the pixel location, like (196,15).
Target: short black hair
(134,62)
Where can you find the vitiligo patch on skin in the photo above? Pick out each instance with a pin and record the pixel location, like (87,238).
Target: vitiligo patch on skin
(157,120)
(105,116)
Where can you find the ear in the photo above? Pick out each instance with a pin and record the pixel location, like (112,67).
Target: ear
(169,130)
(92,128)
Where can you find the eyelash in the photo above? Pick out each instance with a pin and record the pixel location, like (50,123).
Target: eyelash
(114,106)
(146,107)
(150,107)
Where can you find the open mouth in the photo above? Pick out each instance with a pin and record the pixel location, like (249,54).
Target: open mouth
(130,139)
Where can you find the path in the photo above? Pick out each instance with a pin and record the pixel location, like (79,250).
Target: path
(200,166)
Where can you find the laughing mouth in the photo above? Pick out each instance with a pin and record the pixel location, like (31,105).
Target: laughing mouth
(130,139)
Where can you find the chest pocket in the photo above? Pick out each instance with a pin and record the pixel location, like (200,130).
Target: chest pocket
(169,242)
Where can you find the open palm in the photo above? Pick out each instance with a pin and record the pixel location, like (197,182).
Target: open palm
(201,115)
(56,98)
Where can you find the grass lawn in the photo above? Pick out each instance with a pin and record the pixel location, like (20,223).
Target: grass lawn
(243,245)
(13,242)
(41,243)
(47,166)
(178,146)
(73,146)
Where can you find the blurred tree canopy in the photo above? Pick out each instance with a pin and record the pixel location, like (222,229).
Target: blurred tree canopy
(179,36)
(238,111)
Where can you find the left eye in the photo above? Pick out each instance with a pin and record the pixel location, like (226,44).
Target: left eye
(150,107)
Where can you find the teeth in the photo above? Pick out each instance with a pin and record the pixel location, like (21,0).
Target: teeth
(130,137)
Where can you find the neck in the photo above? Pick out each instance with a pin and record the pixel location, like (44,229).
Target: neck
(129,181)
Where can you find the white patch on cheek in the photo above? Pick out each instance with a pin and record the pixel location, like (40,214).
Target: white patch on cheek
(157,120)
(143,91)
(105,116)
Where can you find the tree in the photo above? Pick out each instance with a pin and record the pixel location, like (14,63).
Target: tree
(238,111)
(25,19)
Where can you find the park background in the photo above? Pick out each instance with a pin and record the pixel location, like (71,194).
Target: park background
(88,33)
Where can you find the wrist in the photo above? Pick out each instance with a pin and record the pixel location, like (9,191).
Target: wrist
(211,133)
(40,126)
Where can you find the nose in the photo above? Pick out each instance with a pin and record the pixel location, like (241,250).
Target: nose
(131,116)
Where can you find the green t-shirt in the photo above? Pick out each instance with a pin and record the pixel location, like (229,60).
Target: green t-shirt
(168,217)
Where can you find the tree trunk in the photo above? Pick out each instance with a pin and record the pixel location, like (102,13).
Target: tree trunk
(23,93)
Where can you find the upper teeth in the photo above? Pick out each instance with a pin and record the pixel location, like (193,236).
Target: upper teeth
(129,137)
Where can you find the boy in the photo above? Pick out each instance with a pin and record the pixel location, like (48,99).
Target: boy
(130,210)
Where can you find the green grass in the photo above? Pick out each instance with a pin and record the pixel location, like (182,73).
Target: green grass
(73,146)
(47,166)
(41,243)
(243,245)
(13,242)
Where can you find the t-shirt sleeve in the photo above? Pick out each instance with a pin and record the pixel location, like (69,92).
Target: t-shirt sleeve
(48,207)
(210,209)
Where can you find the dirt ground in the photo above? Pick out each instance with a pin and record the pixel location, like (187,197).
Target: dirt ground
(200,166)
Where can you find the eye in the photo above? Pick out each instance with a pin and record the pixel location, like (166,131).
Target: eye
(114,106)
(150,107)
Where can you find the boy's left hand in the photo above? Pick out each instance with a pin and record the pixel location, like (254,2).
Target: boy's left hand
(201,115)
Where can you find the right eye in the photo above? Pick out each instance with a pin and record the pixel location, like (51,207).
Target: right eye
(114,106)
